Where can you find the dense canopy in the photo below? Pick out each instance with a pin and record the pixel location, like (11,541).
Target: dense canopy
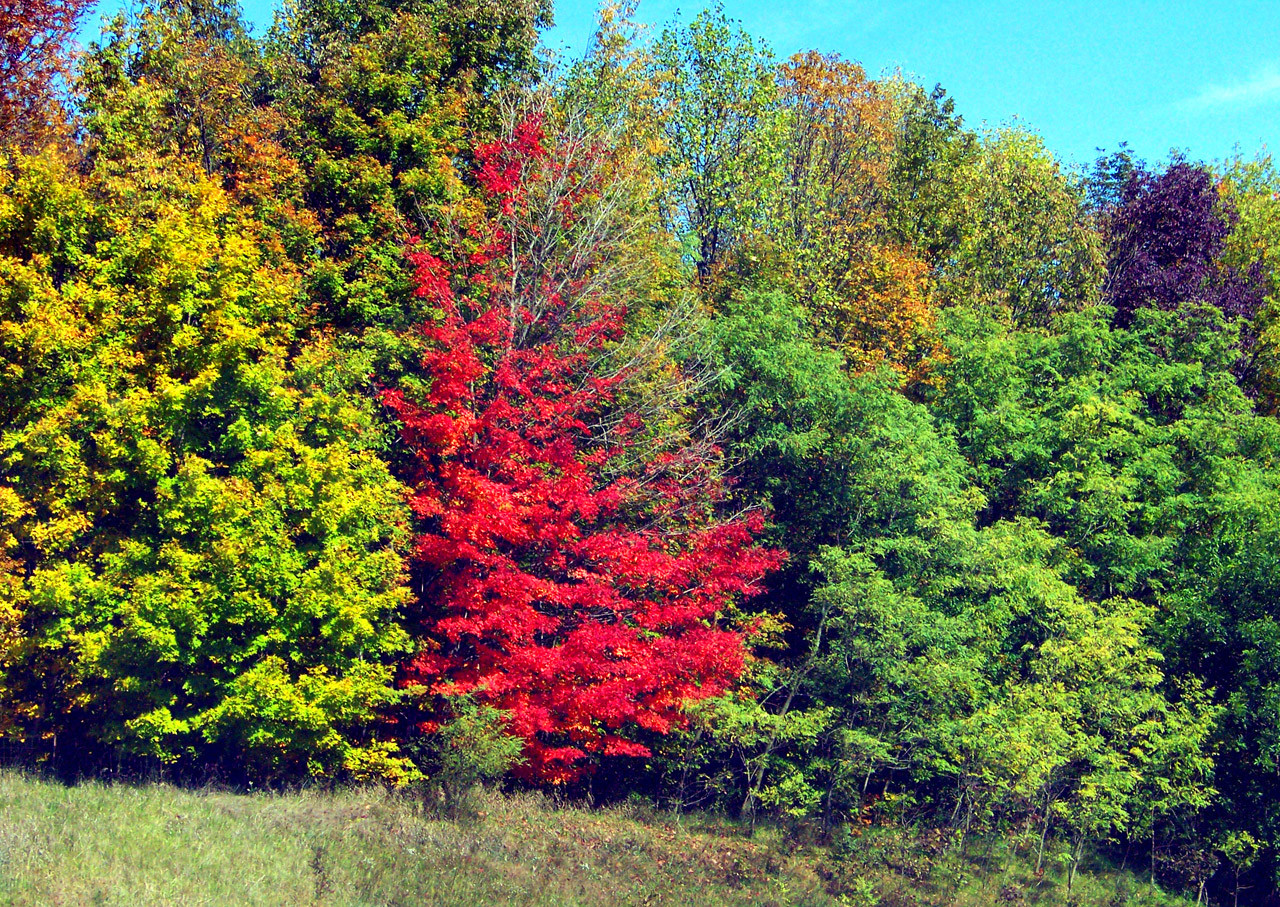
(382,400)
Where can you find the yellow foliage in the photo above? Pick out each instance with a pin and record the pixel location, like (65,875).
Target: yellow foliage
(880,313)
(868,296)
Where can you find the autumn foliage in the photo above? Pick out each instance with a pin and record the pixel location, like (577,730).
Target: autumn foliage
(868,294)
(33,54)
(587,604)
(1167,235)
(378,402)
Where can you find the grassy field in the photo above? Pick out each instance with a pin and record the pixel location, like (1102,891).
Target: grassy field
(135,846)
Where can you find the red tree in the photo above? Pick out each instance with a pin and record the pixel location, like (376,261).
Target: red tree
(586,604)
(34,53)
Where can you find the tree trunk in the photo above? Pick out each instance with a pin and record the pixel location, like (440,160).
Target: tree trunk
(1044,831)
(684,771)
(1075,864)
(753,788)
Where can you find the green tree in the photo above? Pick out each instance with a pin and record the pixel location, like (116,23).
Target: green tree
(1025,243)
(930,148)
(380,104)
(203,548)
(1138,449)
(719,153)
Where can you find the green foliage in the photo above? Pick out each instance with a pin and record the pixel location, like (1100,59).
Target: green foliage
(931,149)
(1082,428)
(949,637)
(475,746)
(1024,243)
(203,549)
(835,457)
(720,134)
(1138,449)
(376,102)
(987,678)
(375,129)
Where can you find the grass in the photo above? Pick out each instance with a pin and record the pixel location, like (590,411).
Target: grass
(887,868)
(144,845)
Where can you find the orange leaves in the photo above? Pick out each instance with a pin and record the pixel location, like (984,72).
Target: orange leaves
(867,294)
(840,142)
(34,53)
(881,313)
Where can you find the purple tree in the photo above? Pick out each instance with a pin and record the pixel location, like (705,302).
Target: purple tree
(1166,233)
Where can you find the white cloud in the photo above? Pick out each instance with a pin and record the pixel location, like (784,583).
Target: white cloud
(1263,87)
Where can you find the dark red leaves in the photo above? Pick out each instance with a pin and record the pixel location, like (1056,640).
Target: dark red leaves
(1167,234)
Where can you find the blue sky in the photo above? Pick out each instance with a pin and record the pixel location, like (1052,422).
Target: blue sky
(1199,76)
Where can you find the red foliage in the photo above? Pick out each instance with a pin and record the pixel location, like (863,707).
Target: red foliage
(34,53)
(584,603)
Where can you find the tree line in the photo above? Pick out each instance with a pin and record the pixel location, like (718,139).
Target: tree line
(383,399)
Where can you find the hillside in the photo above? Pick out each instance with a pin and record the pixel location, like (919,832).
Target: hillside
(387,402)
(153,845)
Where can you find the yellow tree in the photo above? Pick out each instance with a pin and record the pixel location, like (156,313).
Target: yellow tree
(1252,248)
(868,294)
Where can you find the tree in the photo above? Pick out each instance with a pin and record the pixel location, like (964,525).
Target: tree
(181,82)
(380,103)
(1138,449)
(1025,244)
(1219,620)
(1106,178)
(936,648)
(487,45)
(1252,188)
(34,55)
(930,147)
(719,157)
(203,549)
(1165,242)
(585,602)
(867,294)
(838,145)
